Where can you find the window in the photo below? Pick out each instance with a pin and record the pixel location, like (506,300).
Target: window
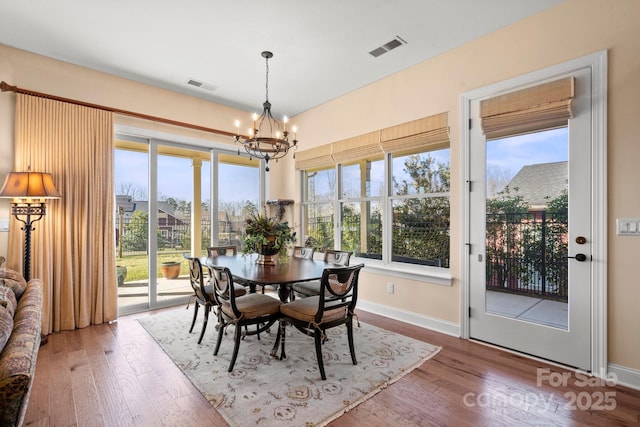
(420,208)
(361,208)
(393,182)
(319,193)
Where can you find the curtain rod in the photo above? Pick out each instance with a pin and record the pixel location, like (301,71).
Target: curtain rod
(5,87)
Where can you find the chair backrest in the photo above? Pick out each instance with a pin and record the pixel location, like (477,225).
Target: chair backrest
(303,252)
(214,251)
(337,257)
(196,279)
(338,290)
(223,288)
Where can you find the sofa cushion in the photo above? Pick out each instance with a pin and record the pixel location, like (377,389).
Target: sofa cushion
(14,280)
(6,326)
(8,299)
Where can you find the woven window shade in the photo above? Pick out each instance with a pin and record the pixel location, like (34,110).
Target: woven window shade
(361,147)
(426,134)
(541,107)
(315,158)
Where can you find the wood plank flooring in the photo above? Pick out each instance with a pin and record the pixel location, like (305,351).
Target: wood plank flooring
(116,375)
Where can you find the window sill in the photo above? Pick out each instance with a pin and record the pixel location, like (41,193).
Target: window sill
(438,276)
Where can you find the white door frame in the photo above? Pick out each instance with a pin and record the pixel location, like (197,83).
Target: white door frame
(597,62)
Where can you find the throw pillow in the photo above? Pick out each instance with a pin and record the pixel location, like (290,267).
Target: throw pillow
(6,326)
(14,280)
(8,299)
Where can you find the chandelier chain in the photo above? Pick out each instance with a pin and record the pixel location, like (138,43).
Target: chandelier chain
(266,88)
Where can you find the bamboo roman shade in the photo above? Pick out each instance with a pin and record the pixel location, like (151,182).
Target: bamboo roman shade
(315,158)
(365,146)
(426,134)
(541,107)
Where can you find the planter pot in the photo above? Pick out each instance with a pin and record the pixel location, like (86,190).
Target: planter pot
(121,274)
(267,259)
(268,256)
(170,270)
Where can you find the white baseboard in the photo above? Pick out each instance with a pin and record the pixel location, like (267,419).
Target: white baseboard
(411,318)
(627,377)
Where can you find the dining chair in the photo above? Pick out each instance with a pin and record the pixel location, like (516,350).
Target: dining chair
(303,252)
(309,289)
(240,311)
(203,293)
(228,250)
(214,251)
(334,306)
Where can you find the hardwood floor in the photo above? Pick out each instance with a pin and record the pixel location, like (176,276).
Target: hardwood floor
(116,375)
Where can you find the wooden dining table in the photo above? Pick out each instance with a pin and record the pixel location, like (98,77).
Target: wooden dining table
(282,275)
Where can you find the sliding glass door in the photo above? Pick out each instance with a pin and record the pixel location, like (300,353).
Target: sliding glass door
(164,210)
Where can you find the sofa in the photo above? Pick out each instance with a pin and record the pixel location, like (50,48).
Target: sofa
(20,327)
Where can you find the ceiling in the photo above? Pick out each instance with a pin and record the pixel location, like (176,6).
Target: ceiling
(321,48)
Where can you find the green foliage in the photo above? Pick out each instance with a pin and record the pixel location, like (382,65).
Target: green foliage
(524,248)
(421,225)
(267,235)
(135,236)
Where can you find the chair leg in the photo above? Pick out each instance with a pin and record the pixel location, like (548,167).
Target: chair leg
(195,314)
(274,350)
(318,338)
(350,338)
(236,346)
(221,326)
(207,309)
(282,330)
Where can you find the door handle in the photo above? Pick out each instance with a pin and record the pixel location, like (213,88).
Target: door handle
(579,257)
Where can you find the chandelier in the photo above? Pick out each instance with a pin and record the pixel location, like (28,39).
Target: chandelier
(267,139)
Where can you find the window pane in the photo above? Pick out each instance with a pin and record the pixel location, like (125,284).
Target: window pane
(422,173)
(362,229)
(371,173)
(238,194)
(421,231)
(319,185)
(320,222)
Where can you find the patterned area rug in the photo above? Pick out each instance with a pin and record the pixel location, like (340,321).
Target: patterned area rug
(265,391)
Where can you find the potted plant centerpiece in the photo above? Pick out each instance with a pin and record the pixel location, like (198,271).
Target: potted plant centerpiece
(268,237)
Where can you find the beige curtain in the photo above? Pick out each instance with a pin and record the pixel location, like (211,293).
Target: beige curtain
(540,107)
(73,247)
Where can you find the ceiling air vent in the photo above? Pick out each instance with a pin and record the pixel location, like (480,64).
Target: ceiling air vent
(398,41)
(201,85)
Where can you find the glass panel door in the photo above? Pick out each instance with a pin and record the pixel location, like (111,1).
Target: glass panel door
(132,224)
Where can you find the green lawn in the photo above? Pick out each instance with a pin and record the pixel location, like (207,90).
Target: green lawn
(137,265)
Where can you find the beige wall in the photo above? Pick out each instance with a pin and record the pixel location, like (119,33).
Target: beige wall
(573,29)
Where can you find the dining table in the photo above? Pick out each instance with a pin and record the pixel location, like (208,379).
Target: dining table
(282,275)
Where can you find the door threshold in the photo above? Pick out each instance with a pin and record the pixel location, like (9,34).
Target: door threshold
(532,357)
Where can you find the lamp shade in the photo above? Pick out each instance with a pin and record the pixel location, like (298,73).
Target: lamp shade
(29,185)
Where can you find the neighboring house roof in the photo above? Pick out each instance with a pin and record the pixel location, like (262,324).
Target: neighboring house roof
(163,205)
(126,202)
(539,184)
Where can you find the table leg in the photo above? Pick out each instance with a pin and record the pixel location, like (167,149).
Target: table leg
(283,292)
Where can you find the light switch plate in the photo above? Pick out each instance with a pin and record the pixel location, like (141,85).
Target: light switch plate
(4,224)
(628,226)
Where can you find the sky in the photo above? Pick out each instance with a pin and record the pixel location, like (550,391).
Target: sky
(175,177)
(540,147)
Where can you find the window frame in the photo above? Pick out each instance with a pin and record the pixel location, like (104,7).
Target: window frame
(436,275)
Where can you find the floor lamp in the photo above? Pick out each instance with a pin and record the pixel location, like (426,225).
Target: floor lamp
(28,190)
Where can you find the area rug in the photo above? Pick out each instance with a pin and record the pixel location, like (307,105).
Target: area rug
(265,391)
